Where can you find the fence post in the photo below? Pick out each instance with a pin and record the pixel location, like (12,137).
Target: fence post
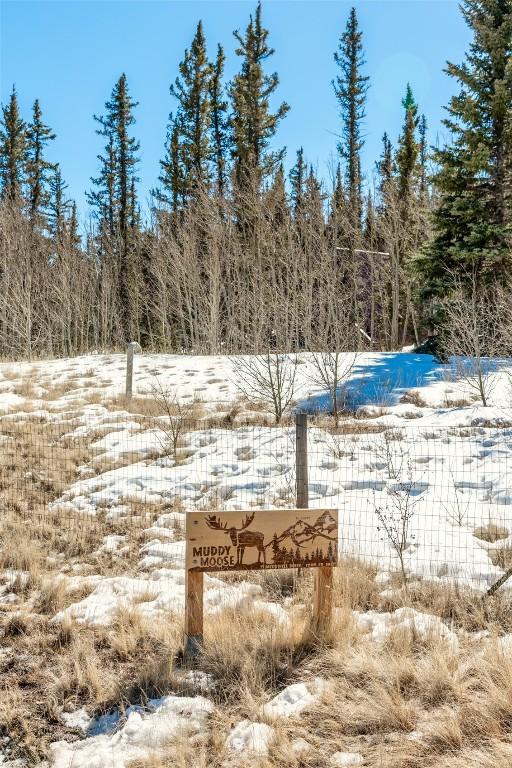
(301,460)
(323,588)
(132,347)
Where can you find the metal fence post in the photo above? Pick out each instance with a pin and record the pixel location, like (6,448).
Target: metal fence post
(132,347)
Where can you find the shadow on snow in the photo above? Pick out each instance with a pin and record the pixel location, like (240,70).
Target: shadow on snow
(379,380)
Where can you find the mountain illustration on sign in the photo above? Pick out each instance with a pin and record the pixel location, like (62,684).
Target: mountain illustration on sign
(302,534)
(293,547)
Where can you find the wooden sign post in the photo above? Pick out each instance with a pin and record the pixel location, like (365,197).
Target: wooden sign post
(256,540)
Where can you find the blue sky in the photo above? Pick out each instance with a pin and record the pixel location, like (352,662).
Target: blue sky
(69,53)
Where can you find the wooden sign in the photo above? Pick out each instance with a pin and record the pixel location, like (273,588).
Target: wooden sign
(259,540)
(253,541)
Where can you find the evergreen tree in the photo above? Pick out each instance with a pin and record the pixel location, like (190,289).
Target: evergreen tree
(58,205)
(338,194)
(111,198)
(408,149)
(12,151)
(409,229)
(171,192)
(351,87)
(38,169)
(314,203)
(114,197)
(297,181)
(253,124)
(423,154)
(219,122)
(473,222)
(74,236)
(276,199)
(193,116)
(385,165)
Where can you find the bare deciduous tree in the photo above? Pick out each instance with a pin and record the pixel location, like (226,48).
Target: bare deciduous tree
(331,371)
(396,514)
(269,379)
(473,336)
(178,419)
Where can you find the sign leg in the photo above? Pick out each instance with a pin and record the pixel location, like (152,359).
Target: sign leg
(323,599)
(193,642)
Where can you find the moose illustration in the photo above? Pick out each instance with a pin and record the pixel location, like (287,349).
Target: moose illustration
(240,538)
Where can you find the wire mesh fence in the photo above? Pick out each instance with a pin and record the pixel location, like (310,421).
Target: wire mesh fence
(108,493)
(93,585)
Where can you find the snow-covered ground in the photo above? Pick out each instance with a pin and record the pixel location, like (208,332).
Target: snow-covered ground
(374,377)
(419,444)
(448,465)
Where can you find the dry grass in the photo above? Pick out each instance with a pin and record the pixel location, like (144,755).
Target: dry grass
(54,667)
(377,694)
(459,704)
(25,388)
(56,391)
(413,397)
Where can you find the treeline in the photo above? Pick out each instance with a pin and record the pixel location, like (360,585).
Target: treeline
(237,257)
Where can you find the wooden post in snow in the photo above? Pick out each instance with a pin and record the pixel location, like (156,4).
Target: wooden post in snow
(132,347)
(301,460)
(323,578)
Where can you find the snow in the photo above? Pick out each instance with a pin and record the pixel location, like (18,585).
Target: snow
(458,482)
(112,543)
(300,746)
(376,377)
(290,701)
(141,735)
(460,478)
(377,627)
(449,461)
(247,736)
(346,758)
(78,719)
(156,594)
(9,401)
(293,699)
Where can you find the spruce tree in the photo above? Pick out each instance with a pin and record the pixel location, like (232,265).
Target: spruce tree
(385,164)
(337,211)
(408,148)
(38,169)
(253,123)
(423,154)
(219,122)
(73,232)
(58,205)
(312,214)
(276,199)
(409,230)
(193,116)
(351,87)
(114,196)
(473,221)
(171,192)
(13,153)
(297,181)
(111,198)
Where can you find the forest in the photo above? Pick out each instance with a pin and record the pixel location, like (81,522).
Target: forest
(236,256)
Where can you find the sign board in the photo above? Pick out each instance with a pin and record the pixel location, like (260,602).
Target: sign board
(261,539)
